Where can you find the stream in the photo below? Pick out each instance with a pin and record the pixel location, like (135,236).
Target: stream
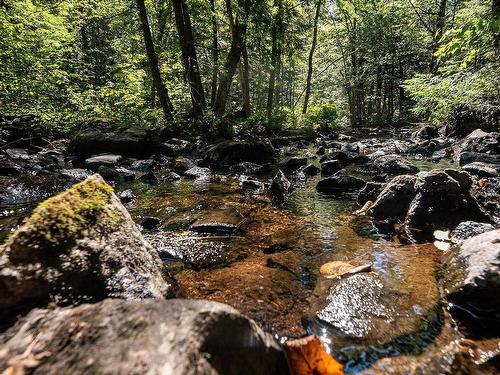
(267,266)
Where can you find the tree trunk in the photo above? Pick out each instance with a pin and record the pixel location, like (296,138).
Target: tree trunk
(311,55)
(215,52)
(274,60)
(189,58)
(440,26)
(165,102)
(233,57)
(244,76)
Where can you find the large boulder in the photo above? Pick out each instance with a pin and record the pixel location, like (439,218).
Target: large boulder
(394,165)
(481,142)
(150,337)
(291,164)
(441,202)
(108,138)
(79,246)
(370,192)
(482,169)
(471,279)
(230,152)
(394,200)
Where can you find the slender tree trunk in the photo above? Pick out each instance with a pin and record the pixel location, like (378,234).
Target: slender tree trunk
(165,102)
(274,60)
(189,58)
(311,55)
(233,57)
(440,26)
(245,80)
(495,13)
(215,53)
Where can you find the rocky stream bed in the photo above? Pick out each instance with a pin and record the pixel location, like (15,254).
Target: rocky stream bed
(265,226)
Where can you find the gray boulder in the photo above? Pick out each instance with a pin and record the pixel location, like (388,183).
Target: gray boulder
(482,169)
(471,279)
(394,200)
(79,246)
(150,337)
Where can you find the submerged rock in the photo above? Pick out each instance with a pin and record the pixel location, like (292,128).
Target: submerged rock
(280,189)
(79,246)
(471,280)
(153,337)
(354,304)
(245,167)
(232,152)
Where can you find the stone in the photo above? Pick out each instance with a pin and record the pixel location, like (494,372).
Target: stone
(231,152)
(481,169)
(471,280)
(426,132)
(18,154)
(487,195)
(340,183)
(468,157)
(126,196)
(222,222)
(464,179)
(149,178)
(106,137)
(469,229)
(181,165)
(370,192)
(280,189)
(394,165)
(196,173)
(108,160)
(72,249)
(254,186)
(310,170)
(330,167)
(290,165)
(441,203)
(245,167)
(143,165)
(150,222)
(148,337)
(75,174)
(171,177)
(481,142)
(116,174)
(394,200)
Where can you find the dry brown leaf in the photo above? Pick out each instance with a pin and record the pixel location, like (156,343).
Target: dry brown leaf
(307,356)
(339,268)
(363,210)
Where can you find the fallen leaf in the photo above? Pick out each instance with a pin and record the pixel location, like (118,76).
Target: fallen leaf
(307,356)
(338,269)
(363,210)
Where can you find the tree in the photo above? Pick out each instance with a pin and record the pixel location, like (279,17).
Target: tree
(161,90)
(189,58)
(238,32)
(310,59)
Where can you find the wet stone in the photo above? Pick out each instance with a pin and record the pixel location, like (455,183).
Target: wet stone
(354,304)
(105,159)
(149,178)
(192,251)
(126,196)
(197,173)
(224,222)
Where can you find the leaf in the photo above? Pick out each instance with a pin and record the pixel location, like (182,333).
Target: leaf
(338,268)
(307,356)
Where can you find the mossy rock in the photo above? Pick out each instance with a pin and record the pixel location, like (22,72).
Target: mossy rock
(79,246)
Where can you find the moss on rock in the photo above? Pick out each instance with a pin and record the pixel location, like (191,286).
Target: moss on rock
(67,216)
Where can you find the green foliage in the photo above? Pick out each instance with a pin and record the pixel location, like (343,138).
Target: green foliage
(323,117)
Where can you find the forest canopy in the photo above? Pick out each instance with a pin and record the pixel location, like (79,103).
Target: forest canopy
(206,65)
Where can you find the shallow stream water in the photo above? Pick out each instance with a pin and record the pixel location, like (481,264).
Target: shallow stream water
(269,268)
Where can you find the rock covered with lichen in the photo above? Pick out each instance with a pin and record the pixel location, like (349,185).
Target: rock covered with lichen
(79,246)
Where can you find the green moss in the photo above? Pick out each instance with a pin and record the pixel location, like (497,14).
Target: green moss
(68,215)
